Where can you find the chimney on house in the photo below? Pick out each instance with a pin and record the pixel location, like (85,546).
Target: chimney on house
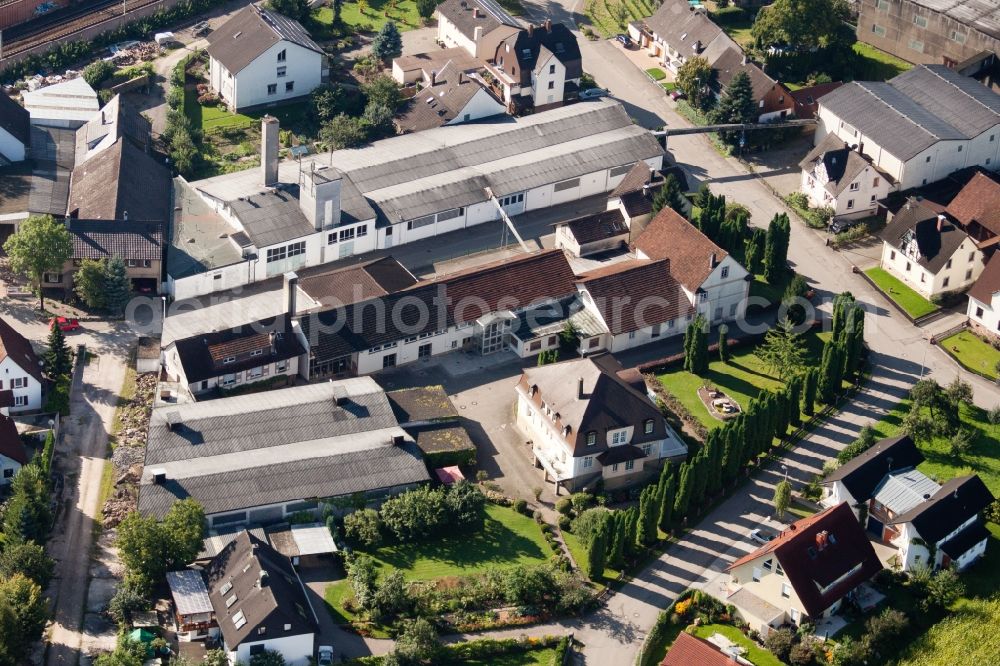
(477,34)
(475,12)
(531,29)
(290,285)
(272,338)
(269,150)
(940,223)
(579,388)
(398,440)
(262,579)
(548,25)
(434,77)
(712,261)
(461,78)
(319,196)
(743,61)
(159,476)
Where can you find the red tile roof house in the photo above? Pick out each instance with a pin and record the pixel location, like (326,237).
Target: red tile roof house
(804,573)
(690,650)
(20,370)
(12,453)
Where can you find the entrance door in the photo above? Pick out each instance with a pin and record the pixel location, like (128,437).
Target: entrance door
(388,237)
(493,337)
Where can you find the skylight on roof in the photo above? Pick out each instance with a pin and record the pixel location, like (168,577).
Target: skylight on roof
(239,620)
(237,34)
(230,601)
(225,588)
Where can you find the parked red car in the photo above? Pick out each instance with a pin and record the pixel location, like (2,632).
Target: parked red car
(65,324)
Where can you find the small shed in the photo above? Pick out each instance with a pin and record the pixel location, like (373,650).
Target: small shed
(449,475)
(193,610)
(147,357)
(298,541)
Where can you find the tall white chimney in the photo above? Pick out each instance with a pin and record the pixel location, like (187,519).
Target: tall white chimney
(269,150)
(290,283)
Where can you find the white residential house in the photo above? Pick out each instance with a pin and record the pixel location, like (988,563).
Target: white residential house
(259,57)
(855,481)
(20,370)
(946,527)
(984,301)
(538,67)
(585,423)
(929,252)
(15,130)
(12,452)
(260,603)
(805,573)
(838,177)
(918,127)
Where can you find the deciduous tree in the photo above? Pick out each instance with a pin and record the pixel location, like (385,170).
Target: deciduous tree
(88,282)
(782,497)
(41,245)
(694,79)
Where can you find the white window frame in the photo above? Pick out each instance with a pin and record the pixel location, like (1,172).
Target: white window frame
(19,383)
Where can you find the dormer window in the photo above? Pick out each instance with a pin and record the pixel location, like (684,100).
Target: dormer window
(229,359)
(619,437)
(591,438)
(647,427)
(566,430)
(532,390)
(257,352)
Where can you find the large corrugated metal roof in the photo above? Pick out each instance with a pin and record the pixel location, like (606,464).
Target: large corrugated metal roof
(902,490)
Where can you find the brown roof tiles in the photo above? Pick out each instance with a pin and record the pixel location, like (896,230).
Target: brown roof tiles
(979,201)
(635,294)
(693,256)
(15,346)
(688,650)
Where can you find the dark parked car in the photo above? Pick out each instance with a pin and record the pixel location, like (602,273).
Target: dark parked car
(593,93)
(624,40)
(676,94)
(842,225)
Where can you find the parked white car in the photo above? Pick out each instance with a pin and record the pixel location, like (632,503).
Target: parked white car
(324,655)
(760,536)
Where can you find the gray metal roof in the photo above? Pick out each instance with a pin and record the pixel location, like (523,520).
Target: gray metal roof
(426,172)
(277,446)
(915,110)
(960,101)
(272,217)
(54,152)
(902,490)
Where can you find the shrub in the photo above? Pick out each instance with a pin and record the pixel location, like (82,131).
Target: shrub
(364,527)
(98,72)
(780,642)
(581,502)
(564,505)
(521,506)
(537,515)
(564,523)
(208,99)
(994,414)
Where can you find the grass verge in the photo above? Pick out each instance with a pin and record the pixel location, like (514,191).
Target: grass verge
(906,298)
(973,353)
(876,65)
(378,13)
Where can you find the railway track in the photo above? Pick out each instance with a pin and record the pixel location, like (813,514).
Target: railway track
(65,26)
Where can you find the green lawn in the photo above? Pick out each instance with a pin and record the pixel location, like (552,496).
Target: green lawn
(579,553)
(893,288)
(404,14)
(741,379)
(507,539)
(983,459)
(656,73)
(972,352)
(292,116)
(543,657)
(757,655)
(877,65)
(604,14)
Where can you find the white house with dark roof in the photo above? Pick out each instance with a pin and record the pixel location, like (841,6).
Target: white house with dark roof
(15,130)
(262,457)
(13,455)
(260,603)
(538,67)
(929,252)
(586,422)
(918,127)
(840,178)
(20,370)
(449,96)
(261,57)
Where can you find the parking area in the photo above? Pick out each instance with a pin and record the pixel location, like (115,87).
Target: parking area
(482,389)
(642,58)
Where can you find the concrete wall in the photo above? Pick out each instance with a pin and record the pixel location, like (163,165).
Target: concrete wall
(942,39)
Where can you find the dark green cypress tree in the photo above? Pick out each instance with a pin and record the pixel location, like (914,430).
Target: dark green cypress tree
(669,195)
(753,253)
(701,199)
(794,390)
(830,374)
(648,515)
(668,495)
(632,531)
(854,338)
(776,248)
(682,501)
(724,343)
(700,481)
(841,306)
(616,554)
(730,454)
(597,552)
(715,462)
(696,361)
(809,386)
(689,335)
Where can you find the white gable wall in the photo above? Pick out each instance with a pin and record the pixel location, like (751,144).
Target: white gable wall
(929,284)
(482,105)
(303,67)
(10,147)
(30,395)
(725,298)
(296,650)
(548,72)
(8,468)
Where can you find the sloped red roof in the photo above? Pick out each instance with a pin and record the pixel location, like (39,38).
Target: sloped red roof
(824,556)
(632,295)
(17,347)
(11,445)
(988,282)
(979,201)
(693,256)
(690,650)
